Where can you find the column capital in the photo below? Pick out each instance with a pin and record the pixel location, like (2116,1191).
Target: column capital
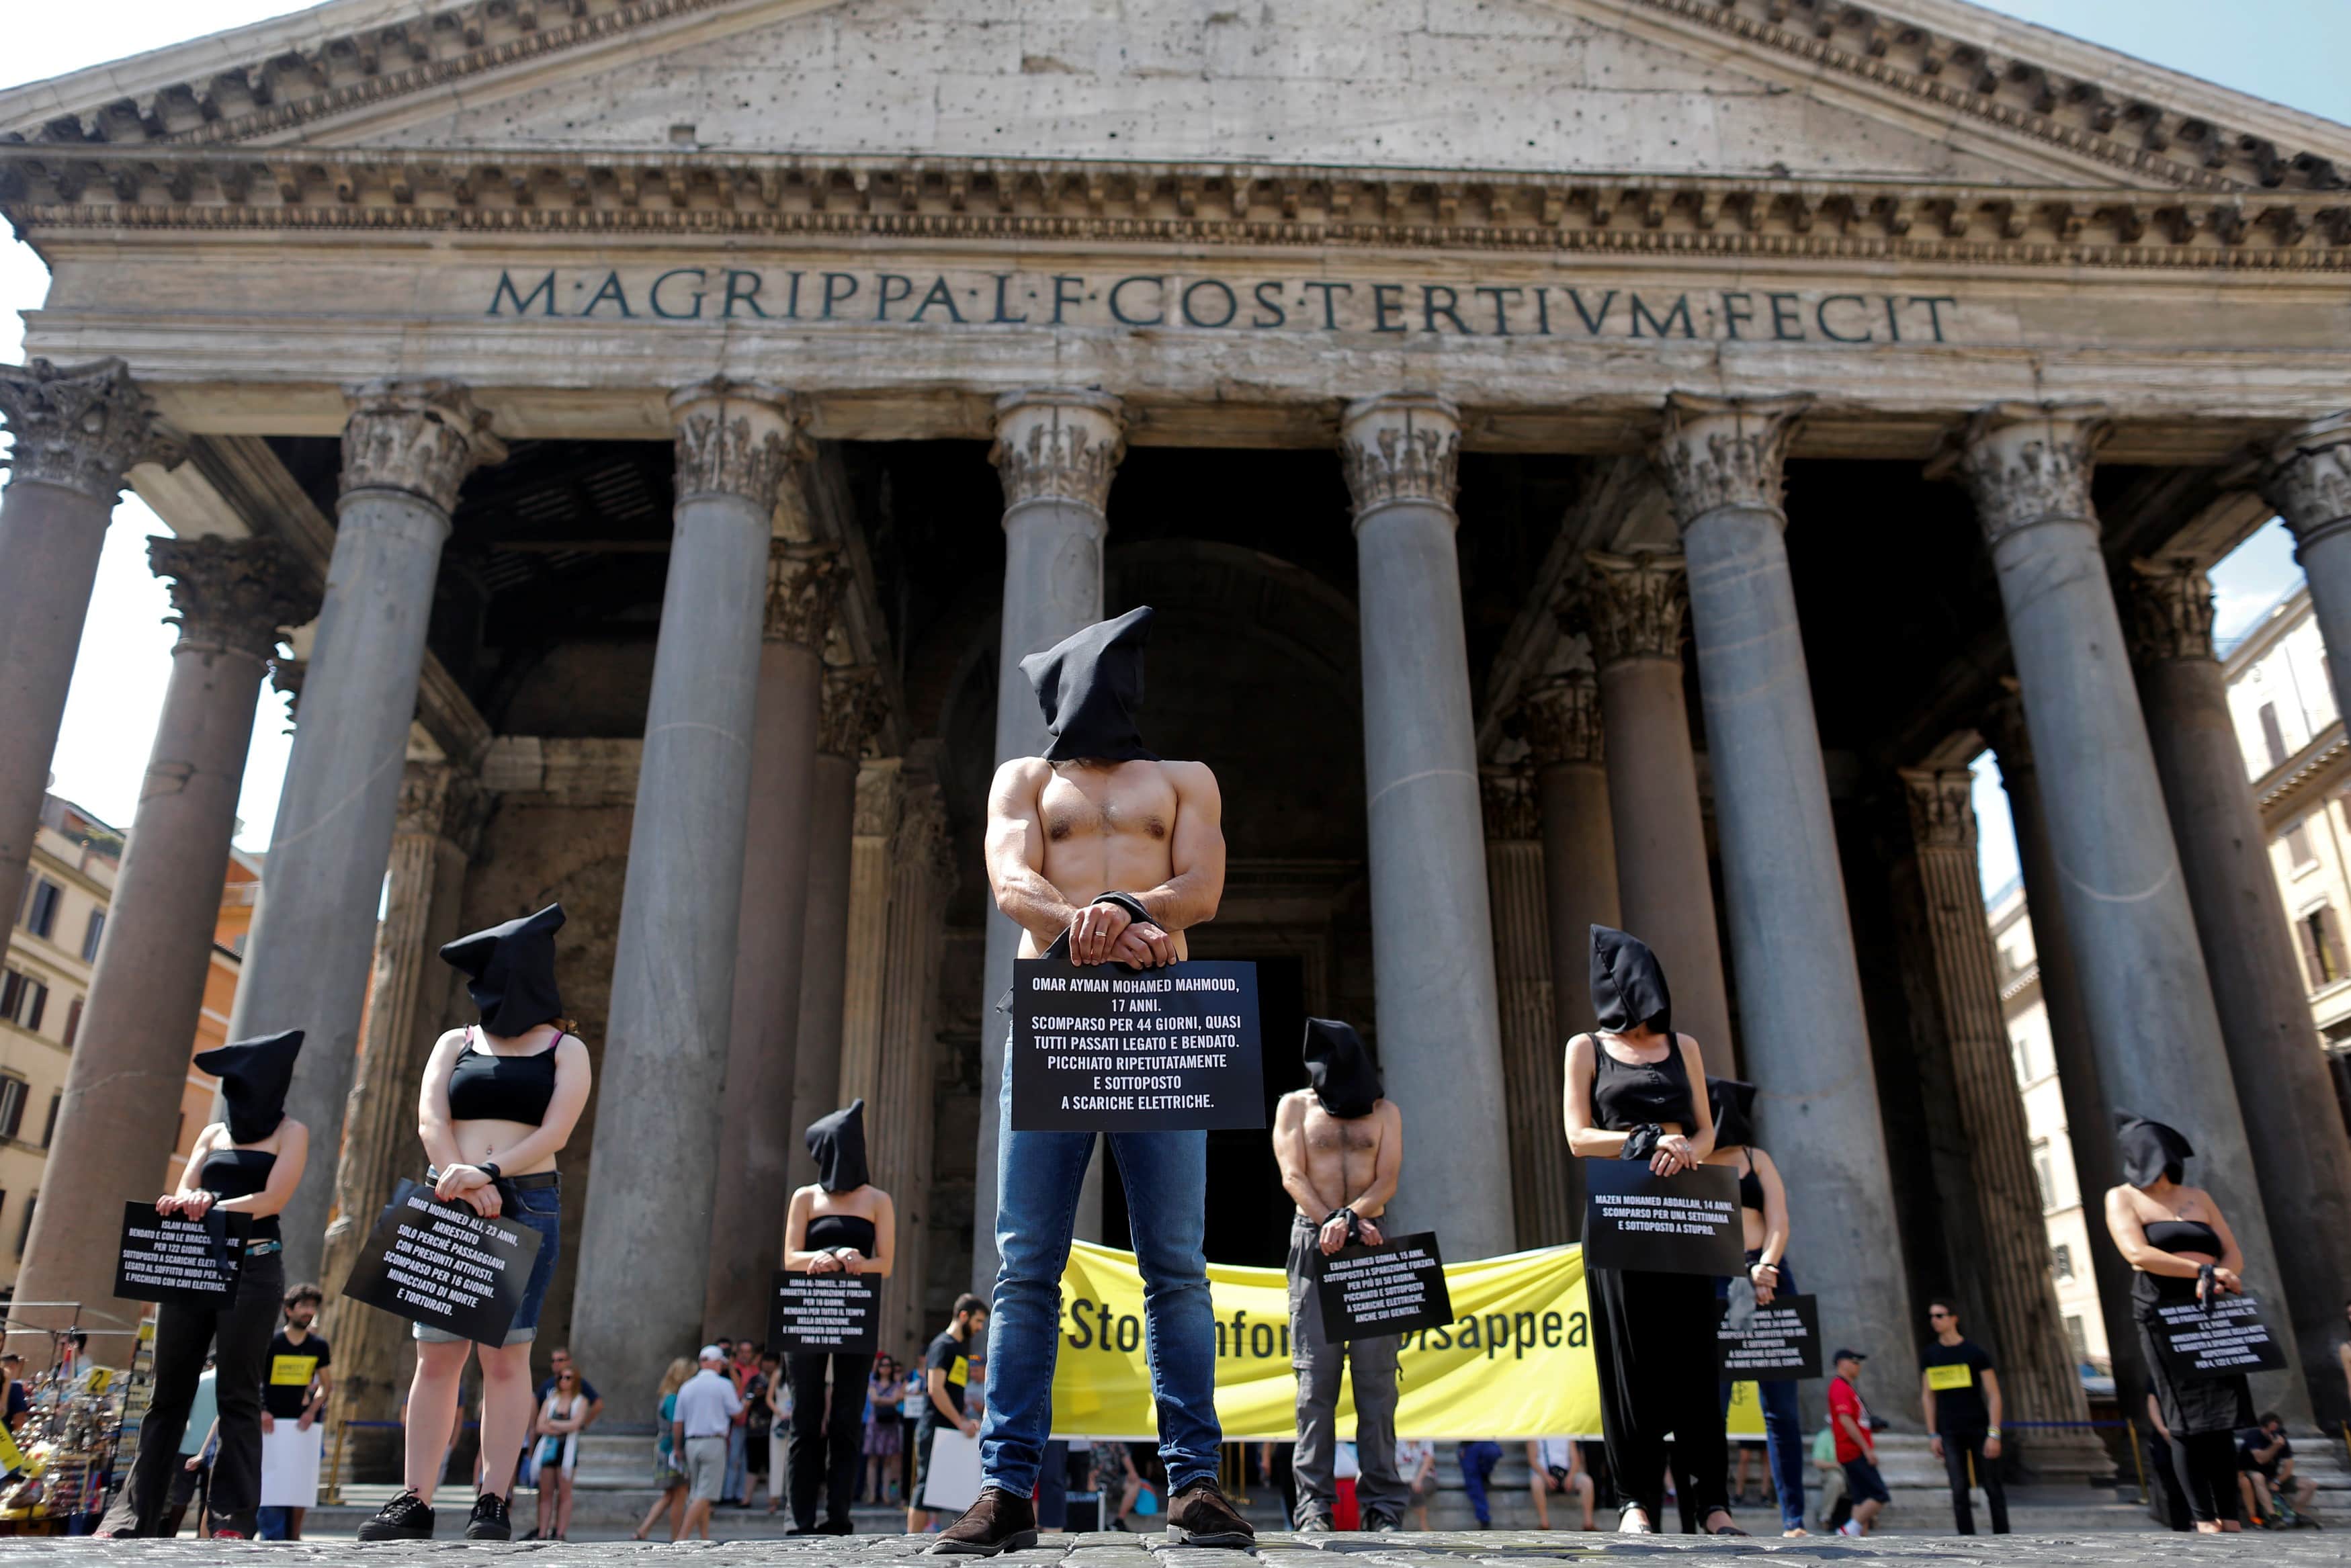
(1633,606)
(233,596)
(1717,451)
(2170,609)
(1562,719)
(852,710)
(1942,806)
(1058,444)
(1401,447)
(804,587)
(442,800)
(2307,477)
(2028,463)
(733,438)
(922,840)
(1512,810)
(418,436)
(80,427)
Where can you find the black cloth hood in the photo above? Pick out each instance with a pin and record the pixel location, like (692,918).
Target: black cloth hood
(836,1143)
(1733,1102)
(254,1075)
(510,970)
(2149,1150)
(1628,984)
(1090,683)
(1345,1078)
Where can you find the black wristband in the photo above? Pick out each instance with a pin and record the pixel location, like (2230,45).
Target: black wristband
(490,1169)
(1642,1142)
(1129,902)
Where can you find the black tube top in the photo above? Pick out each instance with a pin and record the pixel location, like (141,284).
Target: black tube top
(1751,1185)
(2184,1235)
(488,1088)
(1628,1094)
(827,1231)
(241,1173)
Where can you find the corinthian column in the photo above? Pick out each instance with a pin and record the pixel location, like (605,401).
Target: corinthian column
(2037,1375)
(853,715)
(644,1250)
(78,429)
(1440,1040)
(231,599)
(756,1143)
(1517,893)
(406,448)
(441,811)
(1806,1043)
(2152,1019)
(2308,479)
(1056,451)
(1633,611)
(2302,1157)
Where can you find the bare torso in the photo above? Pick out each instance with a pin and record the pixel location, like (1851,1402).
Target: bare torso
(1107,830)
(1340,1152)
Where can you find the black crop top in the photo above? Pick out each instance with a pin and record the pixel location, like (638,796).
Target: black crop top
(488,1088)
(1751,1185)
(2183,1236)
(1628,1094)
(827,1231)
(240,1173)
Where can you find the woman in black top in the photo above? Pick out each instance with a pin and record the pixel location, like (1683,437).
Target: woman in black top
(1764,1227)
(841,1224)
(497,1105)
(1629,1096)
(2172,1234)
(249,1164)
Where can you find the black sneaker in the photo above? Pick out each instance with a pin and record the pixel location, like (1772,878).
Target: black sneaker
(1383,1524)
(405,1518)
(490,1520)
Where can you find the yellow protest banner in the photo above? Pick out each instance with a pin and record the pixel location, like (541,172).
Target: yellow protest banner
(1515,1363)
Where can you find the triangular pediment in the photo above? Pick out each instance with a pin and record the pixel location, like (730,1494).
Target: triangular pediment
(1930,91)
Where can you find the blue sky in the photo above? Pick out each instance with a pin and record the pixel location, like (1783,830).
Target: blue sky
(2291,51)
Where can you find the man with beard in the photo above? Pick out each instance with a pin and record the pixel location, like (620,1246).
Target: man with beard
(1340,1146)
(1104,848)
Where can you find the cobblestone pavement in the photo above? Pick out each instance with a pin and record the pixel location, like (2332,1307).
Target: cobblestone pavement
(1497,1549)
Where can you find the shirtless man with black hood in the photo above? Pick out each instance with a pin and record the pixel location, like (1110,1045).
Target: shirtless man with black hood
(1120,851)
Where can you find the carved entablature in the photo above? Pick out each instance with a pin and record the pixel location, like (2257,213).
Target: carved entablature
(804,589)
(233,596)
(1719,452)
(1058,444)
(1633,606)
(2028,463)
(1512,808)
(2308,478)
(422,436)
(2170,610)
(1560,718)
(852,711)
(1943,808)
(80,426)
(734,438)
(1405,446)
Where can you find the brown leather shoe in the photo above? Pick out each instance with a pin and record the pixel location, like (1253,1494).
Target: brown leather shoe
(998,1522)
(1199,1516)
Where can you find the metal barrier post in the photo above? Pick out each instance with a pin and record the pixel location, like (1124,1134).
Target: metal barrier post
(2138,1462)
(335,1476)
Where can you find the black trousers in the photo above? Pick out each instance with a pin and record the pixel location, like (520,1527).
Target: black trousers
(1653,1343)
(238,1335)
(2206,1464)
(827,1435)
(1959,1448)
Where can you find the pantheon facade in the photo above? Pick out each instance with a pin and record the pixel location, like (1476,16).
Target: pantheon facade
(1592,461)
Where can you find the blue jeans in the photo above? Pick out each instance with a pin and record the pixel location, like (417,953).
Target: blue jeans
(1037,1176)
(739,1465)
(273,1523)
(1784,1424)
(1478,1462)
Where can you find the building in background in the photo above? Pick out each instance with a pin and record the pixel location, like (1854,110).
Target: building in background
(52,944)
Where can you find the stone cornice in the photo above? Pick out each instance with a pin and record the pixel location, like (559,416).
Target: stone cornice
(81,427)
(570,194)
(233,595)
(2170,610)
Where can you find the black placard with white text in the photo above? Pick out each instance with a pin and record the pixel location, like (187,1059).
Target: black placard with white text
(441,1265)
(1777,1343)
(1684,1224)
(2197,1344)
(813,1315)
(1099,1049)
(191,1262)
(1395,1287)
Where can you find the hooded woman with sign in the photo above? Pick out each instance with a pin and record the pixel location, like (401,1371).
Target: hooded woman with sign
(497,1105)
(1630,1096)
(2180,1250)
(841,1224)
(1763,1223)
(249,1163)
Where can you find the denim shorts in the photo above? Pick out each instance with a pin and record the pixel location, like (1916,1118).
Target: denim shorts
(541,1210)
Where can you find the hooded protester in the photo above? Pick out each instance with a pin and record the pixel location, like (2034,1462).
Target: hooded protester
(2181,1251)
(1764,1227)
(248,1164)
(1340,1149)
(497,1105)
(1089,685)
(1631,1095)
(838,1224)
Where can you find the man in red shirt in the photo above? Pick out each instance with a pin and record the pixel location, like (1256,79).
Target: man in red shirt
(1856,1449)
